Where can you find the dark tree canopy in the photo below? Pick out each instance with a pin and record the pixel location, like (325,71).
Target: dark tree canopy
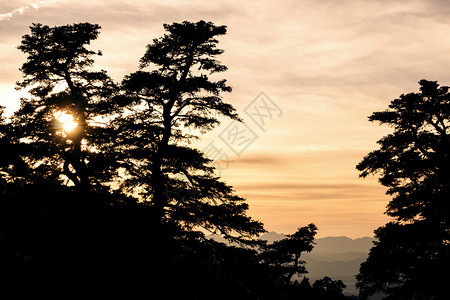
(284,255)
(58,76)
(171,97)
(414,161)
(408,261)
(414,164)
(328,288)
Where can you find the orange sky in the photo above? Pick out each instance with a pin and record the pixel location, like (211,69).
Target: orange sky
(325,64)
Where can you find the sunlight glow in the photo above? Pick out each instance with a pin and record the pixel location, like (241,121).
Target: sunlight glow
(67,120)
(69,125)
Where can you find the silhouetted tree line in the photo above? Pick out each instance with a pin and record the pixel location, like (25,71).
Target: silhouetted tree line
(117,207)
(411,255)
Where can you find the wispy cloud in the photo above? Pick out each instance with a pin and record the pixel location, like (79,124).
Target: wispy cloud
(30,7)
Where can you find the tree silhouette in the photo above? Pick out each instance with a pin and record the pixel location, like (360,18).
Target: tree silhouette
(326,288)
(169,99)
(284,255)
(59,79)
(281,261)
(408,261)
(411,254)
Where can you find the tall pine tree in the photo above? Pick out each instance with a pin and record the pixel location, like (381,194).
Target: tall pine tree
(169,98)
(58,130)
(411,256)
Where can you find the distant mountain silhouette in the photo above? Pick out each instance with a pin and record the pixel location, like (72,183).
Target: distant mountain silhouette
(272,236)
(343,244)
(336,257)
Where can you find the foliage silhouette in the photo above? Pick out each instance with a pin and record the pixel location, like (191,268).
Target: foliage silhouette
(167,103)
(411,254)
(284,255)
(59,79)
(328,288)
(113,208)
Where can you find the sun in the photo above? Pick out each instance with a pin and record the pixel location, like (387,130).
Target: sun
(67,121)
(69,125)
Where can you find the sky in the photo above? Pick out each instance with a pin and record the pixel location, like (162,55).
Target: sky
(305,74)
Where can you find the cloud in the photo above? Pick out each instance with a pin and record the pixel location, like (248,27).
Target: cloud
(302,186)
(21,10)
